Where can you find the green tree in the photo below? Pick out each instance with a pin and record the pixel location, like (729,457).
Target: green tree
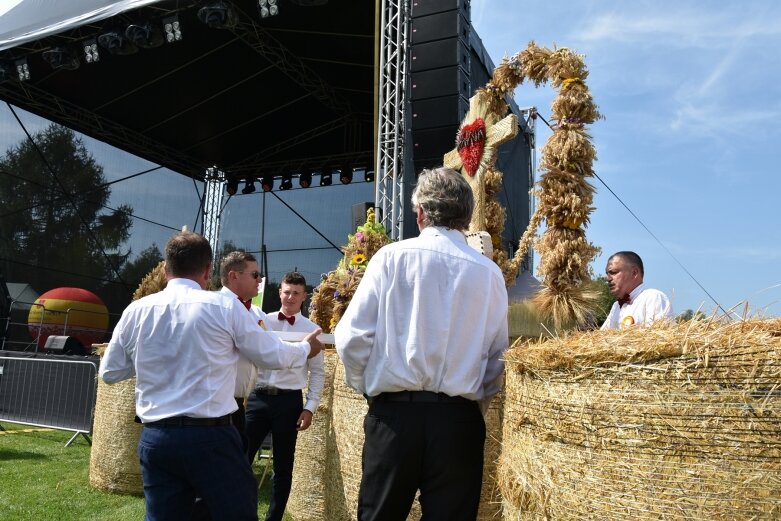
(134,271)
(55,228)
(604,301)
(689,314)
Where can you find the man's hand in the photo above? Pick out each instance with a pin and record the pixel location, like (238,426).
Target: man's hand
(315,346)
(304,421)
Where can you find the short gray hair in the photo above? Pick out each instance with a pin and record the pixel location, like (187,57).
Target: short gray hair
(445,198)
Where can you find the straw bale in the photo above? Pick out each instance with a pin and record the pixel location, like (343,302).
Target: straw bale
(308,494)
(114,465)
(679,422)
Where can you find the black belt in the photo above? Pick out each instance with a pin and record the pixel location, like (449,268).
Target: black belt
(418,397)
(273,391)
(186,421)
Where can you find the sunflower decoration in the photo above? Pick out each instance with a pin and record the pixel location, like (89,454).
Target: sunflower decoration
(333,294)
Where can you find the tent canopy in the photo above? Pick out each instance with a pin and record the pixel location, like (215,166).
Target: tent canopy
(264,96)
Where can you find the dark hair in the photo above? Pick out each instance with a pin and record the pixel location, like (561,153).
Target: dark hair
(187,254)
(294,277)
(445,198)
(234,261)
(630,258)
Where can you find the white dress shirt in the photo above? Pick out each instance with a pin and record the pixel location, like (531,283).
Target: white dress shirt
(246,371)
(296,378)
(182,345)
(645,307)
(430,314)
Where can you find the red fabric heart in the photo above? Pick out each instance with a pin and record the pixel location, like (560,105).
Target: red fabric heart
(470,144)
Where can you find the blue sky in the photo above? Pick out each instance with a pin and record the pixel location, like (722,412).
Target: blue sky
(691,94)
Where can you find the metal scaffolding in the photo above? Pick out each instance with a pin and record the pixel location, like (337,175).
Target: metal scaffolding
(212,206)
(391,151)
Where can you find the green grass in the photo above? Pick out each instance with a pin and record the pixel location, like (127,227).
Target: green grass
(41,479)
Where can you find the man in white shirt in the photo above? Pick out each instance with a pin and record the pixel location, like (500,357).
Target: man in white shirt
(239,276)
(422,339)
(276,403)
(182,344)
(635,304)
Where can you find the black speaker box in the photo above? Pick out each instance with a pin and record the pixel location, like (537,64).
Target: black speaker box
(438,112)
(442,53)
(440,82)
(433,143)
(450,24)
(63,345)
(427,7)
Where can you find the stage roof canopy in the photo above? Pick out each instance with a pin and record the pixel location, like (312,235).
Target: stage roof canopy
(249,94)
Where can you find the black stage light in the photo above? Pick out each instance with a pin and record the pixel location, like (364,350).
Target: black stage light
(267,183)
(232,186)
(305,180)
(346,175)
(5,73)
(217,15)
(91,53)
(268,8)
(325,179)
(368,176)
(145,35)
(287,182)
(116,43)
(61,58)
(22,70)
(249,186)
(172,28)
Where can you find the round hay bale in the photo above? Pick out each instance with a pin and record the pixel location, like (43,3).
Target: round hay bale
(682,422)
(308,495)
(114,465)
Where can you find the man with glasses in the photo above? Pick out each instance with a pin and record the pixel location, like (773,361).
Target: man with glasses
(276,403)
(239,276)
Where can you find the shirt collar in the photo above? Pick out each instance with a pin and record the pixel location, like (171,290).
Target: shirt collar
(227,290)
(183,283)
(453,235)
(635,292)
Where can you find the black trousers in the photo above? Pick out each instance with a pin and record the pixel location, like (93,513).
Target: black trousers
(434,447)
(277,414)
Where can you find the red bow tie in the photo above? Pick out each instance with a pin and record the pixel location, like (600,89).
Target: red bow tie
(625,300)
(290,320)
(246,304)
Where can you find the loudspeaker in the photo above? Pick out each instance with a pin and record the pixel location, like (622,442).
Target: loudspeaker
(438,112)
(442,53)
(450,24)
(440,82)
(359,214)
(433,143)
(63,345)
(427,7)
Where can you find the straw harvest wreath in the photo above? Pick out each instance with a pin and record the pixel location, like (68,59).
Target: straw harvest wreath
(564,194)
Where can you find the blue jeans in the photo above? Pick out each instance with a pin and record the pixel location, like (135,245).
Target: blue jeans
(179,464)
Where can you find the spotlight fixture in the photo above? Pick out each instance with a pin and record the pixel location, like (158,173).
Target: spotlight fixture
(268,8)
(346,175)
(61,58)
(232,186)
(217,15)
(287,182)
(172,28)
(368,176)
(325,179)
(249,186)
(267,183)
(145,35)
(22,70)
(116,43)
(305,179)
(91,54)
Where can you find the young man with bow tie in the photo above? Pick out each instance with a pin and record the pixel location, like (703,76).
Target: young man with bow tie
(276,405)
(635,304)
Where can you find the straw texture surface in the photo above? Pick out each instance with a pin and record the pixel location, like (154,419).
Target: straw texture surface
(680,422)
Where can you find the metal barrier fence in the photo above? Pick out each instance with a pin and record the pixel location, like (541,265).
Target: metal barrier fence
(49,391)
